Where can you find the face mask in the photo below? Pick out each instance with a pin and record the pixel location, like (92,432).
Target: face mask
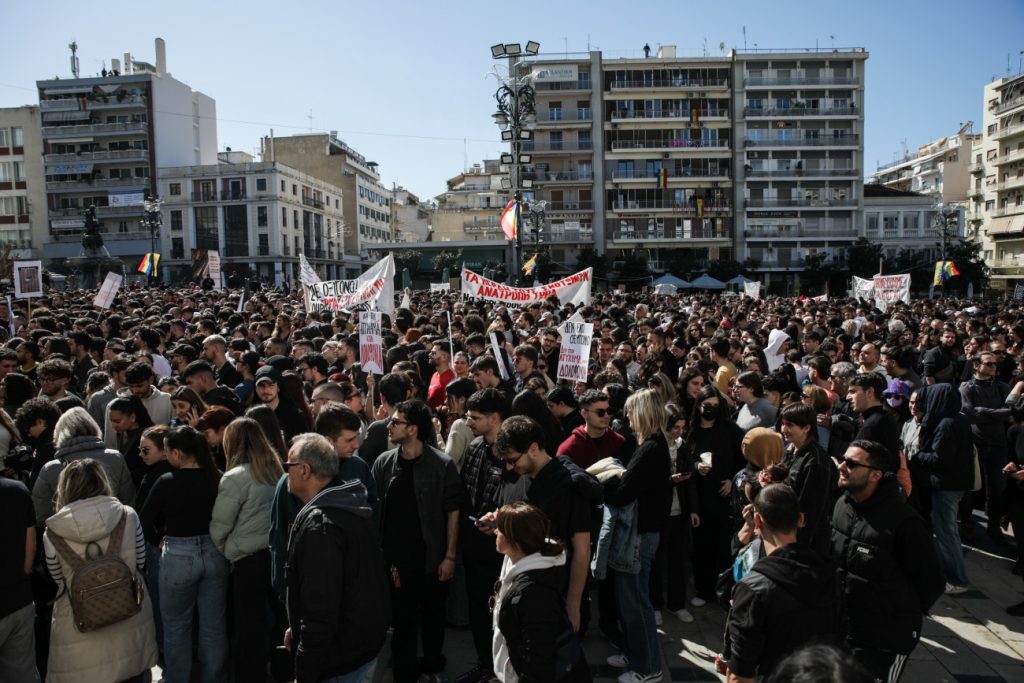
(709,411)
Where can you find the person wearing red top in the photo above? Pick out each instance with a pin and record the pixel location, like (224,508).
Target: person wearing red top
(441,359)
(594,440)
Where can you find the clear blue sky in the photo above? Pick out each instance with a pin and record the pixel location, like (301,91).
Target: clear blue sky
(405,82)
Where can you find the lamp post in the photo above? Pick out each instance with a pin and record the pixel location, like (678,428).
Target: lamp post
(944,215)
(538,216)
(152,220)
(515,115)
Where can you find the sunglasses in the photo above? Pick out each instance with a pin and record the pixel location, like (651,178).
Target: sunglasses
(853,464)
(396,421)
(600,412)
(288,465)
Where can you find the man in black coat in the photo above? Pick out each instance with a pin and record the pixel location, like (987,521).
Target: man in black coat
(888,570)
(877,424)
(788,600)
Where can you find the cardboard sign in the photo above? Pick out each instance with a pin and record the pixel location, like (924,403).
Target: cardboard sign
(752,289)
(574,354)
(213,259)
(108,290)
(574,289)
(440,286)
(371,350)
(28,279)
(374,289)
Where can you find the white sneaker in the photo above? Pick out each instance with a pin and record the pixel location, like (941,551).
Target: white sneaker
(953,589)
(618,660)
(657,617)
(684,615)
(634,677)
(697,602)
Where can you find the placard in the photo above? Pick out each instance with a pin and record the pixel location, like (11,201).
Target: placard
(373,289)
(752,289)
(574,354)
(889,289)
(496,348)
(108,290)
(440,286)
(10,316)
(28,279)
(371,349)
(213,259)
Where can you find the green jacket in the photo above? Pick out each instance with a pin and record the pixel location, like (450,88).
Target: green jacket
(241,514)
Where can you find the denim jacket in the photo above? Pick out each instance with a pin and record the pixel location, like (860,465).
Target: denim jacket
(618,543)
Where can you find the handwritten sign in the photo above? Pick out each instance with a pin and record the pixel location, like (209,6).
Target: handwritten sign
(574,354)
(371,351)
(108,290)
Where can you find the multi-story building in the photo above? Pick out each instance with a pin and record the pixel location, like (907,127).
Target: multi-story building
(903,220)
(104,139)
(410,218)
(998,193)
(260,216)
(22,185)
(367,203)
(939,169)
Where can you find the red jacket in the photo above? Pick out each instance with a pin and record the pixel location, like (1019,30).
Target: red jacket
(585,451)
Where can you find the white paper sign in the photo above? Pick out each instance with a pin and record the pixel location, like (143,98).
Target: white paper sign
(861,288)
(213,259)
(375,289)
(889,289)
(28,279)
(440,286)
(752,289)
(574,354)
(574,289)
(496,348)
(371,350)
(108,290)
(10,316)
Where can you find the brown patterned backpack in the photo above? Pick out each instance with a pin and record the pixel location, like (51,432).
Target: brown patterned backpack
(104,590)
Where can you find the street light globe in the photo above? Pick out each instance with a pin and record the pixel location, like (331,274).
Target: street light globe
(500,119)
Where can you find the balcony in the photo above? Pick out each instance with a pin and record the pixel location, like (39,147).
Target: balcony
(475,228)
(205,196)
(549,177)
(1008,131)
(848,140)
(1008,184)
(670,144)
(670,235)
(52,132)
(565,116)
(669,115)
(557,207)
(809,172)
(1009,157)
(796,232)
(671,84)
(1006,106)
(974,169)
(573,236)
(307,201)
(102,155)
(107,236)
(692,175)
(118,211)
(798,203)
(232,195)
(787,112)
(1008,211)
(678,208)
(567,86)
(95,184)
(556,146)
(793,80)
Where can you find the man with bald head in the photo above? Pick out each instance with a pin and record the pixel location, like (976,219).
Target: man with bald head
(869,360)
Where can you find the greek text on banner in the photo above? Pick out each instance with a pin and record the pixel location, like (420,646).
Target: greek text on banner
(375,289)
(574,289)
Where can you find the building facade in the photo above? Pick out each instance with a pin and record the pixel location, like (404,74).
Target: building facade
(104,139)
(22,184)
(260,216)
(410,218)
(902,220)
(939,169)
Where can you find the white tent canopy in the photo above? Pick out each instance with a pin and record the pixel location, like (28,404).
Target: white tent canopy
(705,281)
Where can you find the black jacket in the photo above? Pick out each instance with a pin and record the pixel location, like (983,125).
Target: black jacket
(946,449)
(984,403)
(940,364)
(813,476)
(339,601)
(888,570)
(788,600)
(648,481)
(880,425)
(542,646)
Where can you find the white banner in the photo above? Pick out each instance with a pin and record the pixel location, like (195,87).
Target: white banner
(888,289)
(752,289)
(108,290)
(375,289)
(861,288)
(574,289)
(28,279)
(307,275)
(574,354)
(213,259)
(440,286)
(568,73)
(126,198)
(10,315)
(496,348)
(371,349)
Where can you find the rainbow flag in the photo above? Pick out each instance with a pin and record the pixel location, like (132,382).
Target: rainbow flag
(510,219)
(944,270)
(530,265)
(149,264)
(663,179)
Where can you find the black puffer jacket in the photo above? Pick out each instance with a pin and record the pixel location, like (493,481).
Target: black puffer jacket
(946,445)
(339,601)
(813,476)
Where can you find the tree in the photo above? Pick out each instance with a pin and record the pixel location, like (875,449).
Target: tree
(725,269)
(587,257)
(862,257)
(966,256)
(681,262)
(918,263)
(407,258)
(452,260)
(815,274)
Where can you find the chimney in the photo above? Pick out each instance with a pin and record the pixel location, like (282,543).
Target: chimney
(115,64)
(647,51)
(161,56)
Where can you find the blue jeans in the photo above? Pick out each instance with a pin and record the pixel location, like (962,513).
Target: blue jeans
(153,585)
(356,676)
(947,535)
(640,633)
(193,573)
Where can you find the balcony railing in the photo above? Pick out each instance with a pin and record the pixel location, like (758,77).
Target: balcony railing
(677,83)
(773,234)
(570,206)
(1008,184)
(669,143)
(848,140)
(755,81)
(107,236)
(315,203)
(87,185)
(677,234)
(579,84)
(976,168)
(681,208)
(480,227)
(205,196)
(1008,211)
(565,115)
(101,155)
(1008,105)
(809,171)
(552,235)
(554,146)
(558,176)
(93,129)
(1012,129)
(758,112)
(232,195)
(684,114)
(1009,157)
(769,203)
(113,211)
(699,174)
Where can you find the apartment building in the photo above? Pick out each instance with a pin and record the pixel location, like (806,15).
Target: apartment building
(22,184)
(410,217)
(939,169)
(105,137)
(260,216)
(904,220)
(367,203)
(998,191)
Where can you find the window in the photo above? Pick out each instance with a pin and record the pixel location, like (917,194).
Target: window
(142,172)
(6,206)
(295,189)
(4,138)
(261,184)
(206,228)
(177,247)
(5,171)
(236,231)
(18,137)
(284,217)
(19,171)
(261,216)
(264,246)
(176,223)
(282,186)
(174,189)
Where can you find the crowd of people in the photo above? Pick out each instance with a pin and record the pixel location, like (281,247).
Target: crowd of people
(811,467)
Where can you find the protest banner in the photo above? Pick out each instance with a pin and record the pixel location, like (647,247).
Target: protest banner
(108,290)
(440,286)
(213,259)
(307,275)
(574,289)
(496,349)
(371,348)
(888,289)
(10,315)
(374,289)
(574,354)
(752,289)
(861,288)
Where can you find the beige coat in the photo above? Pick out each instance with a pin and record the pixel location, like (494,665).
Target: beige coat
(121,650)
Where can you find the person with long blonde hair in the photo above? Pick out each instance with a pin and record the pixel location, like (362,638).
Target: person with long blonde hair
(239,528)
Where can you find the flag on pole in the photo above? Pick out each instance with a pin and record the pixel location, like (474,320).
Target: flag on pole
(530,265)
(695,117)
(510,219)
(149,263)
(944,270)
(663,179)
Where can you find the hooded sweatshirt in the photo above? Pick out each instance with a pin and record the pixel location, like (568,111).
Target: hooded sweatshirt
(946,447)
(772,353)
(788,600)
(584,450)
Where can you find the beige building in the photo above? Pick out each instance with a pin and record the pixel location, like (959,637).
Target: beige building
(22,183)
(367,203)
(470,209)
(260,216)
(901,219)
(939,169)
(410,217)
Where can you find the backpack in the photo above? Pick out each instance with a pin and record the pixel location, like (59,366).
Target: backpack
(104,590)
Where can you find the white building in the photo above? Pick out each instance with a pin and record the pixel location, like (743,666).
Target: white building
(939,169)
(902,220)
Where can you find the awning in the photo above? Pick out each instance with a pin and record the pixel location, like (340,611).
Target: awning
(57,116)
(75,90)
(1006,225)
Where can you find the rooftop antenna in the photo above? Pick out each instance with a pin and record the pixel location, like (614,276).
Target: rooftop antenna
(566,39)
(705,46)
(833,39)
(310,117)
(74,58)
(744,37)
(465,156)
